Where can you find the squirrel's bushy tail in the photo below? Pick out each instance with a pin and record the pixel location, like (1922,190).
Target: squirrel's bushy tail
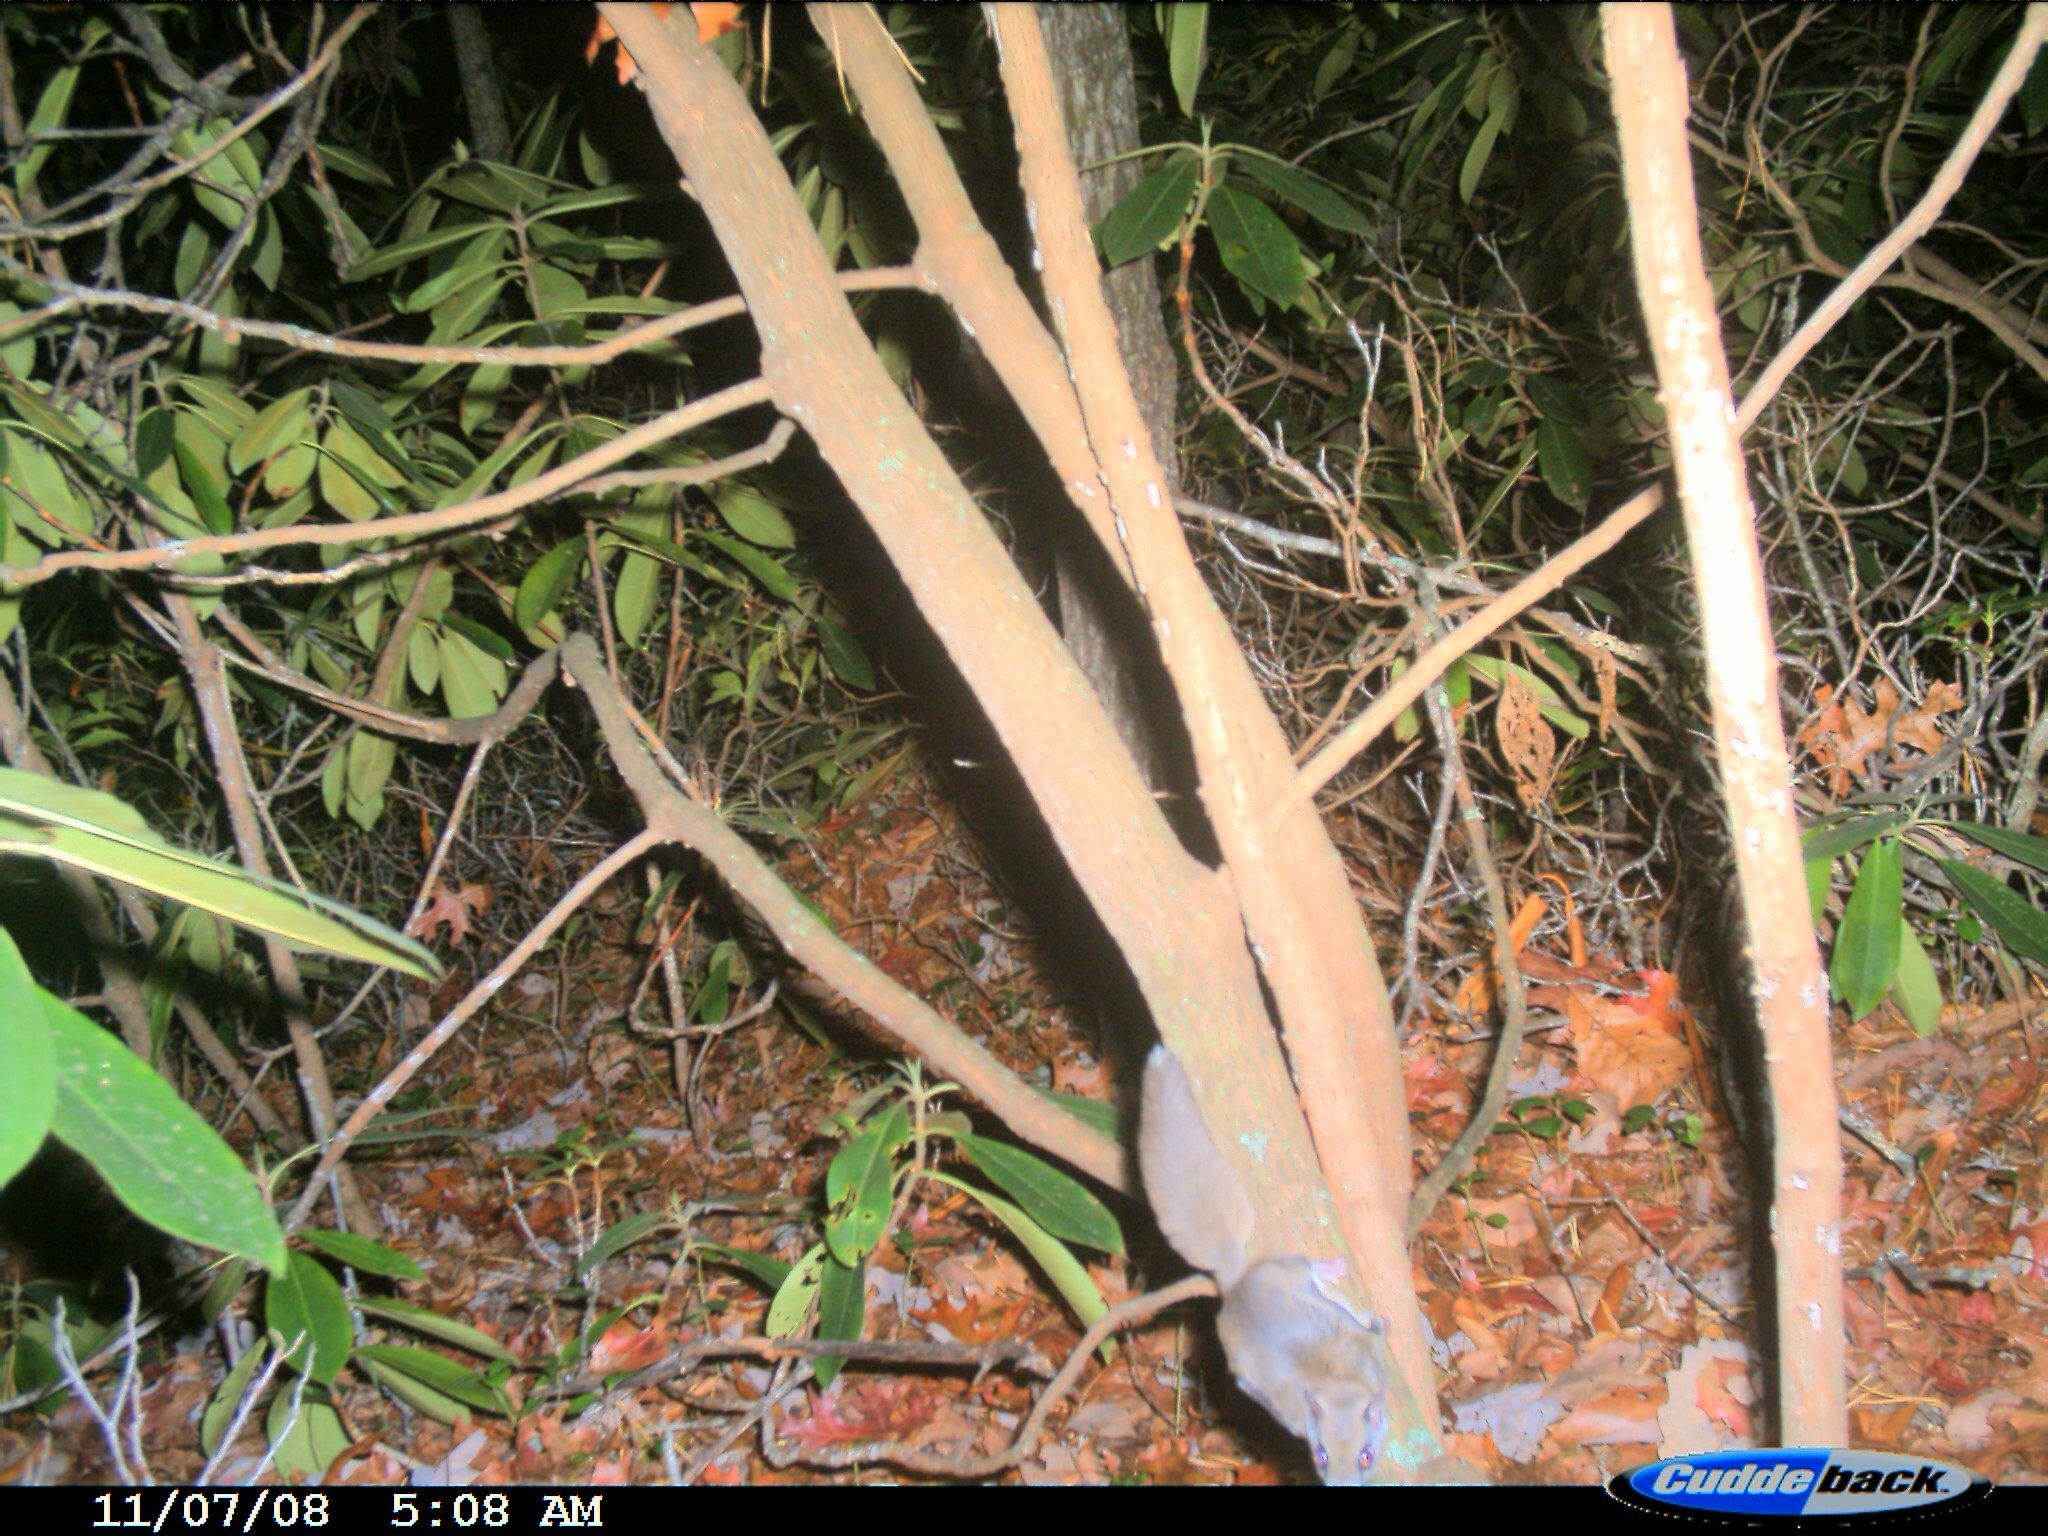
(1195,1194)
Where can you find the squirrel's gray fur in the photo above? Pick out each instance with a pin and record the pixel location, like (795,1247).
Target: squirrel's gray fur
(1304,1356)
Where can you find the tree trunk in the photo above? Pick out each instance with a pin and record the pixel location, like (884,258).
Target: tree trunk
(488,130)
(1200,941)
(1749,735)
(1090,50)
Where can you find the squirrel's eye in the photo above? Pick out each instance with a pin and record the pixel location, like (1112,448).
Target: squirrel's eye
(1365,1459)
(1322,1456)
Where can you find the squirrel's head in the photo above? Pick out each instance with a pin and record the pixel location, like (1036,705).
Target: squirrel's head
(1346,1430)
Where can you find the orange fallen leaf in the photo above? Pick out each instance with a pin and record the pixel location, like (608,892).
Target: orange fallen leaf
(715,18)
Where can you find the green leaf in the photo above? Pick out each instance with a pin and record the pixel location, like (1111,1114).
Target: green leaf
(480,396)
(307,1318)
(19,351)
(764,568)
(472,681)
(1917,990)
(1056,1202)
(435,1326)
(436,1372)
(370,760)
(224,413)
(1820,879)
(334,773)
(1257,248)
(476,265)
(849,663)
(39,418)
(1067,1273)
(413,1392)
(1562,458)
(609,197)
(478,479)
(842,1312)
(305,1446)
(355,453)
(555,292)
(458,315)
(346,162)
(860,1186)
(1336,64)
(28,1087)
(1830,843)
(367,416)
(292,470)
(499,187)
(2022,847)
(543,587)
(423,658)
(205,493)
(51,109)
(791,1307)
(1090,1112)
(668,550)
(440,594)
(268,262)
(157,1156)
(1866,960)
(770,1272)
(283,422)
(38,494)
(1311,194)
(2022,927)
(220,1411)
(1150,213)
(419,245)
(1187,48)
(754,519)
(620,1236)
(365,1254)
(634,595)
(1478,154)
(94,832)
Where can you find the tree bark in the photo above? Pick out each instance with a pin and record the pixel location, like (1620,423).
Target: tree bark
(489,129)
(1791,989)
(1089,48)
(1173,918)
(1183,927)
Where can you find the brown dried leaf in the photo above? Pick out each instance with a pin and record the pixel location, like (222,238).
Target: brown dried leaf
(1634,1047)
(1526,740)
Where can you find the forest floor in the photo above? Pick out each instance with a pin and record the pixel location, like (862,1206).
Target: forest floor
(1588,1283)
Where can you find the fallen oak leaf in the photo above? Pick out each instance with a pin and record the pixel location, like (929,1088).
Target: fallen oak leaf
(452,907)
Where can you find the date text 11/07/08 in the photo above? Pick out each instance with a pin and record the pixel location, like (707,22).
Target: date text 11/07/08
(264,1511)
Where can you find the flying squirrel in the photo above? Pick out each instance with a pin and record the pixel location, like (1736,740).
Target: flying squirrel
(1304,1356)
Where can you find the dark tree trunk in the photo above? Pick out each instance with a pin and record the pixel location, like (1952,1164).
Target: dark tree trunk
(489,132)
(1090,51)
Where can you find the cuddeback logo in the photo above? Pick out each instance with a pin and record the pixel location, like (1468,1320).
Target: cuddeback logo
(1796,1484)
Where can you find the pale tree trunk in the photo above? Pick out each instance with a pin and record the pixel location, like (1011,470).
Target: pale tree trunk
(1198,940)
(1749,738)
